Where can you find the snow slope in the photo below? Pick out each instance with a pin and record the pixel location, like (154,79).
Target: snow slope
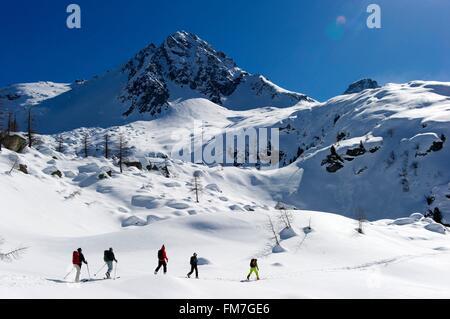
(403,129)
(53,216)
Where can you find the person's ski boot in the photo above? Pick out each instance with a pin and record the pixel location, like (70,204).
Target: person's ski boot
(108,276)
(156,272)
(189,276)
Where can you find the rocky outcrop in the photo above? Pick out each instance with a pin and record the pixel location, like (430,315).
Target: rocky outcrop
(333,161)
(14,143)
(361,85)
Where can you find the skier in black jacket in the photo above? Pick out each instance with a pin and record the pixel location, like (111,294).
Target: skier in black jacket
(109,258)
(194,264)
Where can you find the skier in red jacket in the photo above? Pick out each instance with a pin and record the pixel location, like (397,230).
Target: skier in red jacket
(162,260)
(77,261)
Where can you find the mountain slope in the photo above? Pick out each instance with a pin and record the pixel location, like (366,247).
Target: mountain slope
(403,129)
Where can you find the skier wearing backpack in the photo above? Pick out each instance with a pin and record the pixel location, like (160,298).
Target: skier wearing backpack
(162,260)
(254,269)
(77,261)
(194,264)
(109,258)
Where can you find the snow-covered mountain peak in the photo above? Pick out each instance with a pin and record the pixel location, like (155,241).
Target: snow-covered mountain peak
(185,66)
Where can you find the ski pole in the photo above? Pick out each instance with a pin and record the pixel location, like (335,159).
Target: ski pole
(89,274)
(99,270)
(115,271)
(68,274)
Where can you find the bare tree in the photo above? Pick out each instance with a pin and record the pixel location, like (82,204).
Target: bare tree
(271,227)
(10,123)
(2,114)
(122,150)
(11,255)
(30,130)
(106,138)
(196,184)
(60,141)
(14,124)
(361,218)
(286,218)
(86,144)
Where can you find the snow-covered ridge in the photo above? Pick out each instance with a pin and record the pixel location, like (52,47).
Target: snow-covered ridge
(26,94)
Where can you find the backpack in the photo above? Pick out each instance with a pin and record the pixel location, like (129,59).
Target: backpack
(106,256)
(160,254)
(75,258)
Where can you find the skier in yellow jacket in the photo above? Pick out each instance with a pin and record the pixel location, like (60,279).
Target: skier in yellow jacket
(253,269)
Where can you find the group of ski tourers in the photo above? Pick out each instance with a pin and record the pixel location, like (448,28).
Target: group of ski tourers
(109,258)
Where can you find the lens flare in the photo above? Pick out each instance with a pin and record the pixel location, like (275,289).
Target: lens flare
(341,20)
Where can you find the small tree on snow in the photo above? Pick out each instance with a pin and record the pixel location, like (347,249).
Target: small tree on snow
(86,144)
(60,144)
(30,129)
(2,114)
(361,218)
(11,255)
(122,150)
(271,227)
(15,124)
(286,218)
(106,139)
(196,184)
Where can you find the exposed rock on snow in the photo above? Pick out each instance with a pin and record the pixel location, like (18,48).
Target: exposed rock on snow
(249,208)
(284,206)
(236,208)
(13,142)
(361,85)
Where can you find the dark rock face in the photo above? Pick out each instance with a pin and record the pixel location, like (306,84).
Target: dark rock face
(14,143)
(138,165)
(23,168)
(436,146)
(358,151)
(57,174)
(333,161)
(185,61)
(362,85)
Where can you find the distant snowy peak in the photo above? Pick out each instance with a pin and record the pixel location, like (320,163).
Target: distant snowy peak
(26,94)
(186,66)
(361,85)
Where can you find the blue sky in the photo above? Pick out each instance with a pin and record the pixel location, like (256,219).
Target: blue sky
(297,44)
